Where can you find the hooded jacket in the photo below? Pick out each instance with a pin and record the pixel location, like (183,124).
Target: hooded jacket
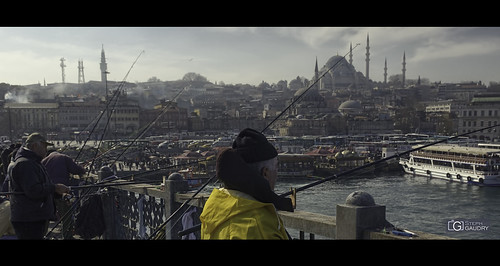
(246,207)
(28,176)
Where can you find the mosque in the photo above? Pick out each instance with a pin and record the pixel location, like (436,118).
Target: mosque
(337,74)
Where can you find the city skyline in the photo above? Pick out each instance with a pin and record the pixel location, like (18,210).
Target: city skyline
(245,54)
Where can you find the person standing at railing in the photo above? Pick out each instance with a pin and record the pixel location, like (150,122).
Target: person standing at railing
(246,207)
(60,167)
(32,198)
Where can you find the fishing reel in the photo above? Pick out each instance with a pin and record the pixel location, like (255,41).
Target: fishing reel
(68,196)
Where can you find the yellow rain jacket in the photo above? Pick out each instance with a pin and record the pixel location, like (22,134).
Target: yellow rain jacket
(231,214)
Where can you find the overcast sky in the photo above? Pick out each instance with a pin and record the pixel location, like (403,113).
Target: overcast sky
(245,55)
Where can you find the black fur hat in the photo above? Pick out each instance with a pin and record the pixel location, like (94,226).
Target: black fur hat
(236,174)
(253,146)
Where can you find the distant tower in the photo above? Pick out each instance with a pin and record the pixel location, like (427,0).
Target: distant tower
(318,84)
(367,57)
(385,71)
(316,71)
(104,66)
(81,75)
(350,55)
(404,68)
(62,69)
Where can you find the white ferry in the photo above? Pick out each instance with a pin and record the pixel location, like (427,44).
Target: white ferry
(472,165)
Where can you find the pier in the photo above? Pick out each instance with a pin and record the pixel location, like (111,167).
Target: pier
(135,211)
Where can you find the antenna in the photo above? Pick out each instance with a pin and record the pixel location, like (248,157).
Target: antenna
(81,75)
(62,69)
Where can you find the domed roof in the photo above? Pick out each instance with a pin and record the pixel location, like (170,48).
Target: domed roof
(312,94)
(343,64)
(334,59)
(300,91)
(350,104)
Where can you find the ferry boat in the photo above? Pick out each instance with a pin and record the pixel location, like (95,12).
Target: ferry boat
(472,165)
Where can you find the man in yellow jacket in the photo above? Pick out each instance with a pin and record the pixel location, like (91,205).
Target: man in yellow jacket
(246,207)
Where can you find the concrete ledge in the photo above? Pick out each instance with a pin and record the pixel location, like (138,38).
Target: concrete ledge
(352,220)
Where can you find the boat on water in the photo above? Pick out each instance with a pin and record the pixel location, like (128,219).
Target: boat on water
(472,165)
(295,165)
(342,161)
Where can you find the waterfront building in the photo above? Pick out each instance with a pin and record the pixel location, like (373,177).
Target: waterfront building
(76,116)
(460,91)
(483,111)
(170,118)
(31,117)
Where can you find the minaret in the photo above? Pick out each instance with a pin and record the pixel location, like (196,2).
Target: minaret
(367,57)
(404,68)
(350,54)
(385,71)
(104,66)
(316,75)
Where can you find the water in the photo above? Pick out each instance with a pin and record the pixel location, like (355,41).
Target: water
(412,202)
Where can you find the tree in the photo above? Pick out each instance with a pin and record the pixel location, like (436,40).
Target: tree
(154,79)
(296,84)
(264,85)
(191,76)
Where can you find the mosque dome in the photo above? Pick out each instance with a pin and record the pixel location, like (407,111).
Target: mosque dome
(341,74)
(350,107)
(311,95)
(300,91)
(342,66)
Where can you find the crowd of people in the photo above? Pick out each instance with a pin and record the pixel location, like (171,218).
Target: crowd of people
(35,182)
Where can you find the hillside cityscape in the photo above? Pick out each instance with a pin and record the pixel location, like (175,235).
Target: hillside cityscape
(336,99)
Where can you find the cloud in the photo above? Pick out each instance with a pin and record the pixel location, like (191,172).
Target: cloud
(457,43)
(447,50)
(316,37)
(233,54)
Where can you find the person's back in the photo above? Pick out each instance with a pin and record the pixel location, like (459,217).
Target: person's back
(59,167)
(247,219)
(246,207)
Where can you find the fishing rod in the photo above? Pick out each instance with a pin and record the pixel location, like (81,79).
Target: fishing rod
(114,184)
(113,97)
(98,185)
(336,176)
(265,128)
(351,171)
(73,206)
(310,86)
(138,136)
(149,125)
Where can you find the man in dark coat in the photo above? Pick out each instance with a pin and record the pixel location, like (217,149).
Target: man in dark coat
(60,167)
(32,199)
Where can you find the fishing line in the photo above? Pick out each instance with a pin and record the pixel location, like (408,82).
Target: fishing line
(265,128)
(104,131)
(310,86)
(135,175)
(115,95)
(144,130)
(382,160)
(337,176)
(165,108)
(73,207)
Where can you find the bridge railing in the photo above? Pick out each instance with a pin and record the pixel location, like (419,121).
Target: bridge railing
(135,211)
